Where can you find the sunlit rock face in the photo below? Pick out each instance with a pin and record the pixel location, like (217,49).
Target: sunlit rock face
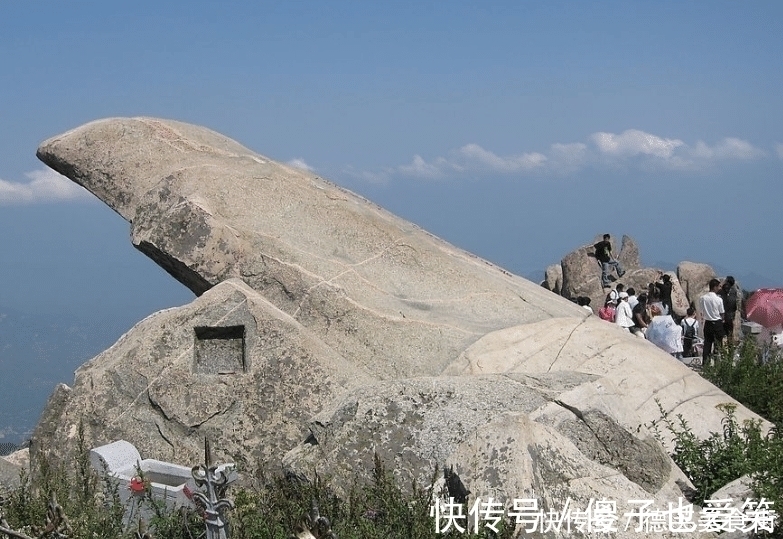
(328,330)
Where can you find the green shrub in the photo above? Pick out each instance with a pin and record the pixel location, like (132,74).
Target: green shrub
(752,374)
(92,509)
(722,457)
(274,509)
(377,510)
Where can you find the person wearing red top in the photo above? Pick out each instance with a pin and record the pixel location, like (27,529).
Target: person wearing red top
(607,311)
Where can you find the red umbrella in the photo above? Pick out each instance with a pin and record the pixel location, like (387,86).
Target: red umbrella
(765,307)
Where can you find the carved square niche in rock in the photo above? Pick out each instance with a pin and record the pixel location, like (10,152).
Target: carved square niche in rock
(219,350)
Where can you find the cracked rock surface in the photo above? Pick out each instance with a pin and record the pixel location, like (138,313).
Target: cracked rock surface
(327,329)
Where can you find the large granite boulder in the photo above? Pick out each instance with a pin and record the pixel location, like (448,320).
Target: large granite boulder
(629,254)
(504,435)
(581,276)
(581,272)
(9,475)
(373,286)
(230,366)
(553,278)
(694,278)
(328,329)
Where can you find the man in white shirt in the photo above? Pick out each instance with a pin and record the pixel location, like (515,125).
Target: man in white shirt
(711,307)
(614,293)
(623,316)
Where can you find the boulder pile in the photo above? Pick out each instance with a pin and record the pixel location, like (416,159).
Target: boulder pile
(579,274)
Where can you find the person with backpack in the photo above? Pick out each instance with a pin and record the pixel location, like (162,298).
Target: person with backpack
(690,332)
(614,294)
(603,253)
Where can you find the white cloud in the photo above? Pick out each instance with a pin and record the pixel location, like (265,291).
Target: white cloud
(420,168)
(300,164)
(728,148)
(495,163)
(779,149)
(45,185)
(634,142)
(472,157)
(376,177)
(568,157)
(631,148)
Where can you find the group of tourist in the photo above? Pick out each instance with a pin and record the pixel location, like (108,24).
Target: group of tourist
(651,314)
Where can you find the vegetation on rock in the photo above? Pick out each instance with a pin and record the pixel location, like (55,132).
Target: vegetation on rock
(753,375)
(273,509)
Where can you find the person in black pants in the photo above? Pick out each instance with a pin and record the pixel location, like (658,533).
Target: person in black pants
(603,253)
(664,286)
(729,292)
(711,306)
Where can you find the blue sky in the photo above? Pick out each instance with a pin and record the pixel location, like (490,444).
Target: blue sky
(516,130)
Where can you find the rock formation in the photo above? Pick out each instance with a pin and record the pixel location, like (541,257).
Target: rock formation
(328,330)
(553,278)
(580,275)
(581,272)
(694,278)
(11,466)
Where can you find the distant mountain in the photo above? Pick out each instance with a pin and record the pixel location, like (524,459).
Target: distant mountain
(535,276)
(750,280)
(38,351)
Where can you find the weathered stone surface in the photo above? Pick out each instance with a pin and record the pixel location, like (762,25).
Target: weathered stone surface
(369,284)
(629,254)
(9,475)
(694,278)
(553,278)
(680,301)
(443,411)
(11,466)
(738,490)
(20,458)
(483,427)
(155,386)
(622,376)
(316,303)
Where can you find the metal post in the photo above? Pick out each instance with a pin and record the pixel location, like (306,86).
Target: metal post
(206,475)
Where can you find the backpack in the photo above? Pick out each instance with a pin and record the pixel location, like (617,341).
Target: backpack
(613,295)
(690,331)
